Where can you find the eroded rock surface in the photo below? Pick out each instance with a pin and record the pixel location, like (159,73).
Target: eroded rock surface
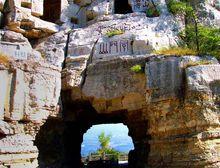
(64,70)
(30,92)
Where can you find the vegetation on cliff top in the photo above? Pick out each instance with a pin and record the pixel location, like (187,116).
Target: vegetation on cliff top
(208,40)
(177,51)
(197,37)
(196,63)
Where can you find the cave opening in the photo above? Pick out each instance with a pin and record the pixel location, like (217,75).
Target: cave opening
(122,7)
(60,141)
(52,11)
(106,145)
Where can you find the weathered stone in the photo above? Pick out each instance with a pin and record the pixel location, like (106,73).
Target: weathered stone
(30,95)
(75,50)
(5,128)
(164,78)
(203,78)
(108,47)
(2,2)
(98,8)
(5,93)
(32,163)
(20,20)
(18,143)
(170,107)
(18,92)
(74,77)
(53,49)
(141,36)
(17,51)
(113,86)
(13,37)
(70,11)
(37,7)
(141,45)
(144,5)
(13,157)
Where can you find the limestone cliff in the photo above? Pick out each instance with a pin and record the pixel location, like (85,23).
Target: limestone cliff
(66,69)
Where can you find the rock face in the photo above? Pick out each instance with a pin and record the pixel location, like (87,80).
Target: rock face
(90,62)
(30,93)
(175,101)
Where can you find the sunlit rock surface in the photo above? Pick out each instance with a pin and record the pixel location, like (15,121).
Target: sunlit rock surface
(62,70)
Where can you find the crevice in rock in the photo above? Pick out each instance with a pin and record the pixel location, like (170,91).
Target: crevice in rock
(66,49)
(89,61)
(183,87)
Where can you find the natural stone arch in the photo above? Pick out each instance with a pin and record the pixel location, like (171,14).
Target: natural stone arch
(168,119)
(59,140)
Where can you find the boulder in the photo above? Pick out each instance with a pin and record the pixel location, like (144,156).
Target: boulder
(53,49)
(204,78)
(139,35)
(18,143)
(5,128)
(20,19)
(165,75)
(16,46)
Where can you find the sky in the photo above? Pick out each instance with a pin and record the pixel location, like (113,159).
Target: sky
(119,141)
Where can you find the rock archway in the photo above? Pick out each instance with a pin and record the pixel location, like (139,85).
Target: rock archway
(59,142)
(88,116)
(168,118)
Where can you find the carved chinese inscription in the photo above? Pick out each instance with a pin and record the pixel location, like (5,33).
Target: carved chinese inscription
(115,47)
(140,5)
(123,26)
(18,51)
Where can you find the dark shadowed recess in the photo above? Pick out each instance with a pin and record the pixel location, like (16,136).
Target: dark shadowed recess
(52,10)
(122,7)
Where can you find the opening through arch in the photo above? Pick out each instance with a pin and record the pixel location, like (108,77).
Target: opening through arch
(106,145)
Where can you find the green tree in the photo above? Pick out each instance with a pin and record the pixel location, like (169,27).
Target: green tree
(186,10)
(105,148)
(104,141)
(205,40)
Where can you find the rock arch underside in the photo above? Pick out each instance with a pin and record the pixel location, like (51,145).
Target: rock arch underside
(61,73)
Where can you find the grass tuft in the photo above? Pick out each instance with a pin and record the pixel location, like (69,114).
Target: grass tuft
(114,32)
(196,63)
(177,51)
(137,69)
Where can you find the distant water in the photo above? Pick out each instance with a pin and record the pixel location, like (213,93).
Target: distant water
(119,141)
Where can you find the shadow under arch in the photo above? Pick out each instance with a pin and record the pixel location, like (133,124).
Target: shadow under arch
(59,140)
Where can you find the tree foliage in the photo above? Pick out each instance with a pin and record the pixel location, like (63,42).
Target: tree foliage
(104,141)
(105,148)
(180,8)
(208,39)
(205,40)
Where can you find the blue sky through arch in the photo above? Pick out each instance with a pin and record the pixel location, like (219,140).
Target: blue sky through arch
(119,141)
